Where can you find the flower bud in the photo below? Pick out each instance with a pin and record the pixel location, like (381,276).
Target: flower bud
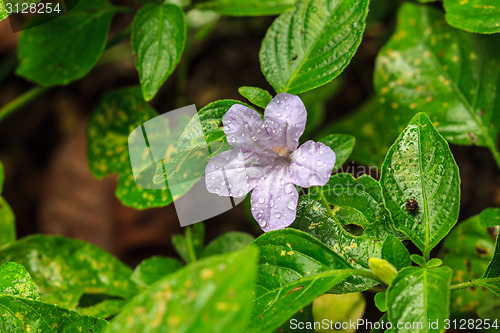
(383,269)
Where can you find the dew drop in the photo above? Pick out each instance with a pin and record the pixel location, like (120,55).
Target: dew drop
(290,205)
(277,101)
(263,223)
(319,163)
(279,114)
(321,152)
(278,215)
(288,188)
(254,138)
(241,193)
(282,182)
(261,200)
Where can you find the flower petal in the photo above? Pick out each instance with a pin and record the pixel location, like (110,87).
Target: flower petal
(285,119)
(244,129)
(234,173)
(312,164)
(274,200)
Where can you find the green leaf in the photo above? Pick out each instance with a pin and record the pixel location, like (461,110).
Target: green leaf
(303,315)
(3,11)
(420,165)
(490,217)
(480,16)
(419,295)
(16,281)
(342,145)
(468,250)
(210,118)
(349,216)
(189,247)
(297,56)
(419,260)
(491,277)
(71,44)
(228,242)
(25,315)
(158,39)
(7,219)
(116,116)
(294,269)
(246,7)
(369,125)
(452,75)
(395,252)
(257,96)
(344,308)
(64,269)
(434,262)
(381,301)
(211,295)
(153,269)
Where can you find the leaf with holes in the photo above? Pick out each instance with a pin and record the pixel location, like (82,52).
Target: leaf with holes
(349,216)
(451,75)
(71,43)
(16,281)
(158,38)
(210,295)
(246,7)
(116,116)
(309,45)
(419,295)
(420,168)
(468,250)
(65,269)
(480,16)
(294,269)
(342,145)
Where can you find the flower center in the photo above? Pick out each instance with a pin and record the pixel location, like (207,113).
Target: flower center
(282,151)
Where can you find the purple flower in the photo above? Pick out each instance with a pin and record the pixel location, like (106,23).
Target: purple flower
(266,159)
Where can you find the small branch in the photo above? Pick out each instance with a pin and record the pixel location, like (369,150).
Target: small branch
(473,283)
(190,245)
(20,101)
(367,274)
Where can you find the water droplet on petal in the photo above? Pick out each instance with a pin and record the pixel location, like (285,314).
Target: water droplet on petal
(288,188)
(279,114)
(263,222)
(319,163)
(290,205)
(241,193)
(321,152)
(228,121)
(277,101)
(261,200)
(282,182)
(254,138)
(278,215)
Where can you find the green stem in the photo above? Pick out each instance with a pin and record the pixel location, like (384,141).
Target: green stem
(21,101)
(367,274)
(119,37)
(189,245)
(473,283)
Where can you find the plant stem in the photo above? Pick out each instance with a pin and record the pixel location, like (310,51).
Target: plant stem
(496,153)
(21,101)
(473,283)
(189,245)
(368,274)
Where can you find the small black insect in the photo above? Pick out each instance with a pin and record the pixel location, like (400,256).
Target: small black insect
(411,205)
(294,57)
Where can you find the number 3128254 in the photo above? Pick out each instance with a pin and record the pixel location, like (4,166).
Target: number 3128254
(32,8)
